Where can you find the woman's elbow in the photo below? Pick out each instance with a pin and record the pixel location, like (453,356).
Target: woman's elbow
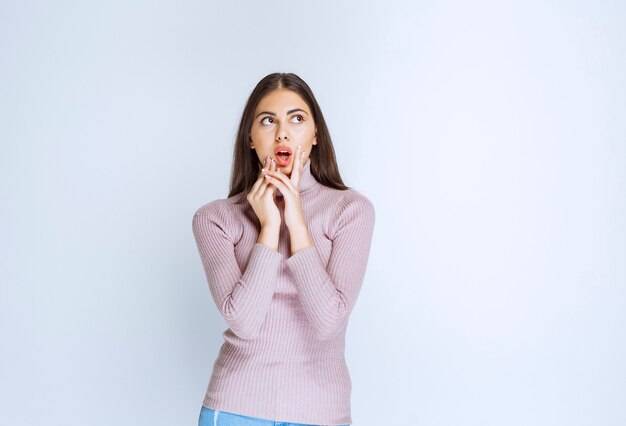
(330,331)
(244,332)
(241,325)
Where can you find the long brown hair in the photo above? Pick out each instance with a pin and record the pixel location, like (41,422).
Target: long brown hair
(245,169)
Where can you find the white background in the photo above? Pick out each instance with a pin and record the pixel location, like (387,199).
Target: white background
(489,135)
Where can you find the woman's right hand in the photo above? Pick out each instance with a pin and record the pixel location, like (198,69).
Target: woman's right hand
(261,198)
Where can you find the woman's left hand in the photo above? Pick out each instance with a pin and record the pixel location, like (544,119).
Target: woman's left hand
(289,187)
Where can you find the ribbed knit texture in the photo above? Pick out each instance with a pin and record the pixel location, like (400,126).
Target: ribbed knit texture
(283,354)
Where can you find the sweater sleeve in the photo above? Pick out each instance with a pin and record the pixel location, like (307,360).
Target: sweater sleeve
(328,294)
(242,298)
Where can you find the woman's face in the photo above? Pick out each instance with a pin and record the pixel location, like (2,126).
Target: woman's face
(282,121)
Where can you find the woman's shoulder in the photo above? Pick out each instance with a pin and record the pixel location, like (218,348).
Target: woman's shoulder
(218,216)
(350,204)
(212,208)
(221,206)
(222,211)
(350,197)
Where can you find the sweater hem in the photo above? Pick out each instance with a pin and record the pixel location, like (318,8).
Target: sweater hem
(233,409)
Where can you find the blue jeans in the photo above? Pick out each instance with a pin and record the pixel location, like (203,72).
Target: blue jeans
(209,417)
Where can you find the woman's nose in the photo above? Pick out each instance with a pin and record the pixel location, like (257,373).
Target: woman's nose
(281,134)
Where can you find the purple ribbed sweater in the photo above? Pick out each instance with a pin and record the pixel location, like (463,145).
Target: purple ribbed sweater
(283,353)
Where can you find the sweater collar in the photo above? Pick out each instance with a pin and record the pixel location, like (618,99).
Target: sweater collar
(307,180)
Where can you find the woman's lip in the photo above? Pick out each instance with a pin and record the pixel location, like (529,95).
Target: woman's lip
(282,162)
(282,148)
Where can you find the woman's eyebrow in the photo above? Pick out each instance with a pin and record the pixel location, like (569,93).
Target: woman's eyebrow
(288,112)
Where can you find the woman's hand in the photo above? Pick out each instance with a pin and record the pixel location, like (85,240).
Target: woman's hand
(294,216)
(261,198)
(290,188)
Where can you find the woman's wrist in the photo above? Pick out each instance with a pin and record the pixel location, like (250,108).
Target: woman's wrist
(299,237)
(268,236)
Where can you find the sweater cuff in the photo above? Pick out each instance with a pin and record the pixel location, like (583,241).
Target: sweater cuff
(262,265)
(306,267)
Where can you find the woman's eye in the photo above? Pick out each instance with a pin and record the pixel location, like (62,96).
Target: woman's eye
(300,117)
(266,118)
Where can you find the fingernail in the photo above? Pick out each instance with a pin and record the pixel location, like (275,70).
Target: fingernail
(262,170)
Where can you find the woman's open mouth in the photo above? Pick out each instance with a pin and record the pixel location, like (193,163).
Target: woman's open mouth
(283,156)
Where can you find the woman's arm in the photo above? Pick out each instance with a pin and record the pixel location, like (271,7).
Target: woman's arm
(328,294)
(243,299)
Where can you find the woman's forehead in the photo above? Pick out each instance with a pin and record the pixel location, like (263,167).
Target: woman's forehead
(282,100)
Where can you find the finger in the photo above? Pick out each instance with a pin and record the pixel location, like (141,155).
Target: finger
(266,184)
(265,168)
(272,168)
(270,188)
(260,180)
(265,164)
(279,184)
(266,188)
(296,171)
(281,177)
(257,185)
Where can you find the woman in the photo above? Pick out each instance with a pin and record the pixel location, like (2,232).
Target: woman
(284,256)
